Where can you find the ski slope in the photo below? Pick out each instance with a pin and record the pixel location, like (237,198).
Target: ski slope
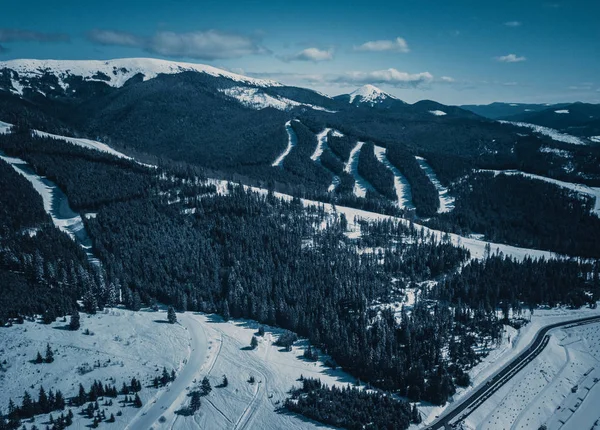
(401,185)
(446,200)
(361,185)
(593,192)
(292,141)
(321,143)
(56,205)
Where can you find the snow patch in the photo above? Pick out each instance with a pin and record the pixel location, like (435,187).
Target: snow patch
(361,185)
(437,112)
(595,139)
(255,98)
(560,152)
(562,111)
(369,94)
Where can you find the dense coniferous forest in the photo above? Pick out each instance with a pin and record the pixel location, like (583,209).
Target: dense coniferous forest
(350,407)
(502,208)
(42,271)
(341,145)
(375,172)
(424,194)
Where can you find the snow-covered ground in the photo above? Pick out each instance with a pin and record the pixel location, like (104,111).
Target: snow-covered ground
(541,392)
(86,143)
(255,98)
(126,344)
(5,127)
(123,344)
(292,141)
(56,205)
(446,200)
(560,152)
(595,139)
(361,185)
(403,190)
(593,192)
(116,72)
(550,132)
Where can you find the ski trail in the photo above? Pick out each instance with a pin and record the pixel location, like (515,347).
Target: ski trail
(321,142)
(292,141)
(401,185)
(361,185)
(56,204)
(446,200)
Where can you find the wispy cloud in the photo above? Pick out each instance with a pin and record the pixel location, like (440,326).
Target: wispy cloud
(510,58)
(396,45)
(204,45)
(447,79)
(513,23)
(311,54)
(19,35)
(392,77)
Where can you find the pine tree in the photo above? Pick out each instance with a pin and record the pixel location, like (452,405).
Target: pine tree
(49,354)
(90,304)
(27,407)
(43,404)
(38,358)
(171,315)
(75,321)
(225,381)
(195,402)
(254,343)
(137,402)
(206,388)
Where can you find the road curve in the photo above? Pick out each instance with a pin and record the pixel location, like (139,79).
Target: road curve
(171,399)
(493,384)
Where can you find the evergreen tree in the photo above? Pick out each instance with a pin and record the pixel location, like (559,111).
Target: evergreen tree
(254,342)
(38,358)
(195,403)
(205,386)
(49,354)
(225,381)
(137,402)
(75,323)
(171,315)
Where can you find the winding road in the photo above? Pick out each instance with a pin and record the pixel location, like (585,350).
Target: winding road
(494,383)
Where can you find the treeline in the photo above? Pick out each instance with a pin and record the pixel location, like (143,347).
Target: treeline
(525,212)
(503,283)
(425,197)
(350,407)
(375,172)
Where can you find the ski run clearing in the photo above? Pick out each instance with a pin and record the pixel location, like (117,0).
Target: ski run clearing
(593,192)
(403,190)
(124,344)
(292,141)
(446,200)
(361,185)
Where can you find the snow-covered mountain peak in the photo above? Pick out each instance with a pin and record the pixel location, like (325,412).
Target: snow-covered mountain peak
(116,72)
(369,94)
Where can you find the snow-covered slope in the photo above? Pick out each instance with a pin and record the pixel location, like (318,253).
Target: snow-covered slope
(550,132)
(292,140)
(446,200)
(256,99)
(369,94)
(401,185)
(115,72)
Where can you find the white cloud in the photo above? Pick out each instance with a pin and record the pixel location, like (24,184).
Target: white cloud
(513,23)
(311,54)
(447,79)
(206,45)
(110,37)
(510,58)
(391,77)
(396,45)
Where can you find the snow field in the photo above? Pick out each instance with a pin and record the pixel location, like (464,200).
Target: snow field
(124,345)
(550,132)
(292,141)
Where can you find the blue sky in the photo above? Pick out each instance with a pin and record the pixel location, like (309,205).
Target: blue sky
(451,51)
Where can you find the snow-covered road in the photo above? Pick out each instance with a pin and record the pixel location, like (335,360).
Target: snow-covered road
(173,397)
